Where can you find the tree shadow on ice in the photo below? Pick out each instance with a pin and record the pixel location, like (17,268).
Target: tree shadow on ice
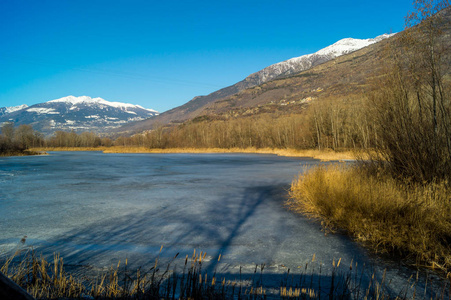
(247,229)
(206,225)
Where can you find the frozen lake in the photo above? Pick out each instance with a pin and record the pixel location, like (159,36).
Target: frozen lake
(95,209)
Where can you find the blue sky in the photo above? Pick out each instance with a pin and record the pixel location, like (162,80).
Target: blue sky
(160,54)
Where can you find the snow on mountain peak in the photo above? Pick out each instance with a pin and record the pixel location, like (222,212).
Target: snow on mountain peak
(305,62)
(93,101)
(349,45)
(74,100)
(8,110)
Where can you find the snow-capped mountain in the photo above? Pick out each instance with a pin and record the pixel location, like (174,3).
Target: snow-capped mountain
(77,113)
(305,62)
(8,110)
(196,106)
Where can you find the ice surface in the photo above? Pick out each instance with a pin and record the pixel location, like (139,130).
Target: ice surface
(96,209)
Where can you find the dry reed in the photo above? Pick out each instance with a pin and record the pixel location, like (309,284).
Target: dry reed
(325,155)
(49,280)
(392,216)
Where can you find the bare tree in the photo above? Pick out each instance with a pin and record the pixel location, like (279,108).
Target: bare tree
(412,106)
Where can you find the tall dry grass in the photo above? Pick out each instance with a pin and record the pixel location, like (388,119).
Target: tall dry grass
(49,280)
(410,219)
(40,278)
(325,154)
(44,149)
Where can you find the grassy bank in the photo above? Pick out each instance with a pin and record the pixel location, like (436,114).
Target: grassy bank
(412,220)
(325,155)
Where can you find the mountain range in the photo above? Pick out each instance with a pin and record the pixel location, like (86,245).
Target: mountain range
(75,113)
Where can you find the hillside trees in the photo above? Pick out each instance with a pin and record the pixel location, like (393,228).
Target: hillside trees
(256,131)
(340,124)
(329,123)
(72,139)
(14,140)
(412,107)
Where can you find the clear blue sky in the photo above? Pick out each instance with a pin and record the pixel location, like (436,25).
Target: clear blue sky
(160,54)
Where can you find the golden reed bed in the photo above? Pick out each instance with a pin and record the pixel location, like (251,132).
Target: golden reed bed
(325,155)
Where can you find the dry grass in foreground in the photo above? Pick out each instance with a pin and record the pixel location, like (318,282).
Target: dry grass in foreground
(49,280)
(325,155)
(409,219)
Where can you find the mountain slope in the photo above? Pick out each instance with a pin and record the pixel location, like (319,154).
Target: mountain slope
(295,65)
(347,77)
(77,113)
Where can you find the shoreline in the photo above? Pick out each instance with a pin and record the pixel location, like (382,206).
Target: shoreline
(27,152)
(323,155)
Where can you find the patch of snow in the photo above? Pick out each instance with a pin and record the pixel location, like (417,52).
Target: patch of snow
(43,110)
(92,117)
(349,45)
(86,100)
(70,122)
(12,109)
(148,109)
(73,100)
(133,119)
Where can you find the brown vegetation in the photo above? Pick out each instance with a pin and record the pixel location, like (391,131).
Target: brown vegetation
(412,106)
(324,125)
(324,155)
(391,216)
(16,141)
(72,139)
(49,280)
